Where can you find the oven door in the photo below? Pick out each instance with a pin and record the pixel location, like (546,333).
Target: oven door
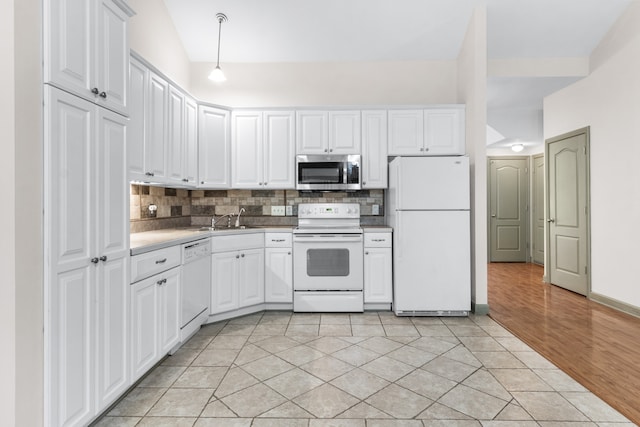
(328,262)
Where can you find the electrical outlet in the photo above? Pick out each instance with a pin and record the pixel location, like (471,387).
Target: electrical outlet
(277,210)
(289,210)
(375,210)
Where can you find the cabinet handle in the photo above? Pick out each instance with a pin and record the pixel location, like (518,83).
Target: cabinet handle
(326,150)
(364,183)
(161,261)
(331,150)
(95,91)
(377,240)
(288,253)
(366,253)
(277,240)
(422,149)
(185,180)
(161,281)
(148,173)
(94,260)
(103,95)
(426,149)
(237,256)
(242,255)
(103,258)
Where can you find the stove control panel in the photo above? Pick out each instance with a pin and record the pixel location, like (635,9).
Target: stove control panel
(328,210)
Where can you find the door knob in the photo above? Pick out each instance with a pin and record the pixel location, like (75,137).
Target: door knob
(493,215)
(551,220)
(94,260)
(95,91)
(103,95)
(103,258)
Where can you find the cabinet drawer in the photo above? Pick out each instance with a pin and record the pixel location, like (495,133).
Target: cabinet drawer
(150,263)
(277,240)
(236,242)
(377,240)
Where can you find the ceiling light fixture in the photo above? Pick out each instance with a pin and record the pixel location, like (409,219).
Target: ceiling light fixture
(517,147)
(217,75)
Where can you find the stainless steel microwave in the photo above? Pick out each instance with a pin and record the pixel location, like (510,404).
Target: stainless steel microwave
(328,172)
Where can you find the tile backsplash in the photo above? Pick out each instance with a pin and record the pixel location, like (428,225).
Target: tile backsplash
(183,208)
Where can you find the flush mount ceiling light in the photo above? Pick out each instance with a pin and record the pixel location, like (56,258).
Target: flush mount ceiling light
(217,75)
(517,147)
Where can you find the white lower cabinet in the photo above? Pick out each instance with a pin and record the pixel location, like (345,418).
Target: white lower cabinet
(278,268)
(237,272)
(155,314)
(377,270)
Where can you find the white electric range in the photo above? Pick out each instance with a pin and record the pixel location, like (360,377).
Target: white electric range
(328,258)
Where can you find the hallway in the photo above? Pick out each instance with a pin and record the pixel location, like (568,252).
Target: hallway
(598,346)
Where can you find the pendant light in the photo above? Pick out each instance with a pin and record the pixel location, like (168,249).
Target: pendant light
(517,147)
(217,75)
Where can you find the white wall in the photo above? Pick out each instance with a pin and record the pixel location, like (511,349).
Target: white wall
(153,36)
(333,83)
(7,220)
(608,101)
(21,310)
(472,90)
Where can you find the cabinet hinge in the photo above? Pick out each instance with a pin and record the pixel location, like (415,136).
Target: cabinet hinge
(584,150)
(526,170)
(585,269)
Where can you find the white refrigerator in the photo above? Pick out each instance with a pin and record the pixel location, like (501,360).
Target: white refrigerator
(428,207)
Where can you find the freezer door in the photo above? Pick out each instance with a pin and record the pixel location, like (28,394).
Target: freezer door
(432,261)
(430,183)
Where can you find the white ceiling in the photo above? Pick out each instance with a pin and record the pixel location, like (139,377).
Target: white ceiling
(398,30)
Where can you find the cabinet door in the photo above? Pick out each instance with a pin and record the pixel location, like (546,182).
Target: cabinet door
(344,132)
(444,131)
(175,136)
(278,275)
(279,150)
(406,132)
(213,148)
(377,275)
(68,45)
(145,328)
(138,83)
(169,301)
(112,351)
(156,136)
(247,169)
(312,132)
(224,286)
(374,149)
(251,277)
(111,56)
(70,287)
(190,155)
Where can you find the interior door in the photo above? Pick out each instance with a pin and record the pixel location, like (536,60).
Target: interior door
(567,211)
(508,184)
(537,210)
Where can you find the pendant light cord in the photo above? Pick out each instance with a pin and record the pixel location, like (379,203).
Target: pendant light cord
(219,35)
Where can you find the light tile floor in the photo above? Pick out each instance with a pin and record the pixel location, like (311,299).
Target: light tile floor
(372,369)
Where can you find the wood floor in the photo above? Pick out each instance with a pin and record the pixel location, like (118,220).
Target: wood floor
(598,346)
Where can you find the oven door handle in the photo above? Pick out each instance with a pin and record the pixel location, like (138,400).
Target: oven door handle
(317,238)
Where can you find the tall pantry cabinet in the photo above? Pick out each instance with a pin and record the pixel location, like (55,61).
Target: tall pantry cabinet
(86,208)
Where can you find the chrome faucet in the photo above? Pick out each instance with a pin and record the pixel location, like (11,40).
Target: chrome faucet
(214,221)
(238,217)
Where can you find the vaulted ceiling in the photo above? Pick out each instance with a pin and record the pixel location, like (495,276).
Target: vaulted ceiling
(403,30)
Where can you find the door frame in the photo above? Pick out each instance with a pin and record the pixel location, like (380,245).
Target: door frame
(527,236)
(535,207)
(547,253)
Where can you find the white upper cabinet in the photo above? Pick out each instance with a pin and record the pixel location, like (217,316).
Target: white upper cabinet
(86,49)
(190,156)
(156,128)
(175,137)
(328,132)
(263,149)
(344,132)
(428,132)
(444,132)
(214,157)
(138,83)
(374,149)
(406,132)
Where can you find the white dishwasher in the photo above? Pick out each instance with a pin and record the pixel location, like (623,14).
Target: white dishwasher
(196,286)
